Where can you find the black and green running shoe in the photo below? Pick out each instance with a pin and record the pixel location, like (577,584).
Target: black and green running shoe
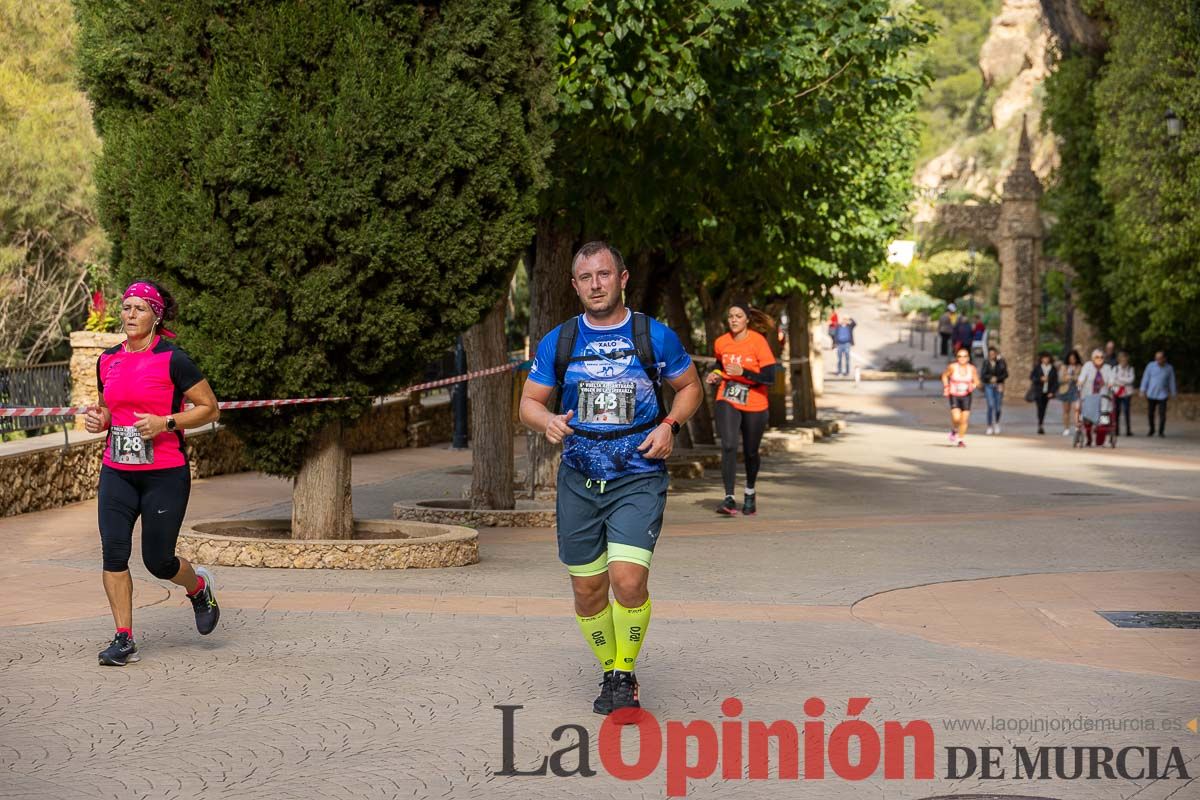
(120,652)
(205,604)
(603,704)
(748,506)
(625,695)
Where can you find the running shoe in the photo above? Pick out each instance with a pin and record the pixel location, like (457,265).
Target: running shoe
(205,604)
(748,506)
(989,431)
(962,443)
(953,437)
(728,507)
(121,651)
(603,704)
(625,692)
(997,428)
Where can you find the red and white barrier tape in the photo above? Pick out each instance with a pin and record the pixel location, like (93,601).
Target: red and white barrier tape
(74,411)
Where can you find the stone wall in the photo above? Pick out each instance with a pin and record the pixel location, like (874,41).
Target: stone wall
(86,347)
(36,479)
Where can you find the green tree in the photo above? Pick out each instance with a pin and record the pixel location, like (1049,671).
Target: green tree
(1081,234)
(1152,180)
(48,227)
(333,189)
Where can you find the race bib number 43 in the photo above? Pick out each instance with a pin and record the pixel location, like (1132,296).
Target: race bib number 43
(126,446)
(607,402)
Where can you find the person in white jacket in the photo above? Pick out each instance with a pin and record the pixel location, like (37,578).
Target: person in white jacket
(1096,377)
(1125,377)
(1087,381)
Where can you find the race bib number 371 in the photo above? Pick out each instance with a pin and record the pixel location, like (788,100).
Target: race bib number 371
(736,392)
(607,402)
(126,446)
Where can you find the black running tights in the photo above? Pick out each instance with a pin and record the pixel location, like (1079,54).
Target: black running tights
(160,498)
(751,424)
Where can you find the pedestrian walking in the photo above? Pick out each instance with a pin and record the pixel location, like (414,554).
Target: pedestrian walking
(143,383)
(1069,396)
(1125,378)
(843,339)
(1158,385)
(1096,379)
(747,368)
(959,382)
(1110,353)
(964,333)
(945,330)
(1043,379)
(993,374)
(608,365)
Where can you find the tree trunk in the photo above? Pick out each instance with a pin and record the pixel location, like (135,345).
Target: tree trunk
(804,399)
(321,506)
(551,300)
(491,413)
(777,391)
(700,427)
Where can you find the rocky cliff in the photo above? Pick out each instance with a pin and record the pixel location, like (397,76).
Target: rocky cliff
(1014,60)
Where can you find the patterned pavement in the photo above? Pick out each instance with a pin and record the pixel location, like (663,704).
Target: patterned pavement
(382,685)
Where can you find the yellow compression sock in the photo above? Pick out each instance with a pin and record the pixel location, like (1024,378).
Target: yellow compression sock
(630,625)
(598,631)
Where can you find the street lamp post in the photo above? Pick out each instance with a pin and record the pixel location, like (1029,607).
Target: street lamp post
(1174,125)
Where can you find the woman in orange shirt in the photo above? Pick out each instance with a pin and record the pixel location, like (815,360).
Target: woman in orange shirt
(746,367)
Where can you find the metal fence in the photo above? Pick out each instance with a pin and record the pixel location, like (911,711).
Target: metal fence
(39,385)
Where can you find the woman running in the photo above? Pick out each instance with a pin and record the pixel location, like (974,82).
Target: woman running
(143,383)
(959,381)
(747,368)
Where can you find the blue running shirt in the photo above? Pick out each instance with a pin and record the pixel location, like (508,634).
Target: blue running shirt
(609,393)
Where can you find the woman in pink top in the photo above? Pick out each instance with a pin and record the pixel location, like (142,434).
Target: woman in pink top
(143,384)
(959,381)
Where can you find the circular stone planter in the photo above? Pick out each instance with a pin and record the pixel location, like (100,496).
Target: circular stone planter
(527,514)
(377,544)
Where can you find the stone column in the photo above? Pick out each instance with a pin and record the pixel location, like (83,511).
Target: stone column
(1019,240)
(86,347)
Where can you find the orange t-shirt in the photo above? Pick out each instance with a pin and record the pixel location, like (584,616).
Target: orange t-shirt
(753,353)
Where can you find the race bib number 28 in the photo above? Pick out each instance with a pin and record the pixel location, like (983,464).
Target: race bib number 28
(126,446)
(607,402)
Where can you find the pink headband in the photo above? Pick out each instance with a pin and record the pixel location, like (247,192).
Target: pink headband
(153,298)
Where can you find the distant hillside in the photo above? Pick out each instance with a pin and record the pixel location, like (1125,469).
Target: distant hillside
(988,65)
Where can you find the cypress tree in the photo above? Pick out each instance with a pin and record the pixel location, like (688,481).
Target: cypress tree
(333,190)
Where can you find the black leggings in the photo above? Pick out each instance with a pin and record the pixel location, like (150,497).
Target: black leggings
(160,498)
(752,424)
(1042,401)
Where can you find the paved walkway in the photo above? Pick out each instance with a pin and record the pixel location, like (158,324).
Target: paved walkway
(958,586)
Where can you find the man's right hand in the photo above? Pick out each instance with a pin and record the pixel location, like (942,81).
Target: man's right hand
(558,429)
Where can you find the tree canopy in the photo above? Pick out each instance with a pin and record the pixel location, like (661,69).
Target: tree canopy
(49,234)
(1126,193)
(334,190)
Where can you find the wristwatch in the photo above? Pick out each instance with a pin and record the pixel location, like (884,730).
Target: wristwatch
(170,423)
(674,425)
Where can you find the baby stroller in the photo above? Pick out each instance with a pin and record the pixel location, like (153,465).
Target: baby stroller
(1096,417)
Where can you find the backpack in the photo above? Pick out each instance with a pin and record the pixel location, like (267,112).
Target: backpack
(643,348)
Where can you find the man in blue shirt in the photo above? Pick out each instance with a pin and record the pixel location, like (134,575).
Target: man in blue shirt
(1158,384)
(616,436)
(843,340)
